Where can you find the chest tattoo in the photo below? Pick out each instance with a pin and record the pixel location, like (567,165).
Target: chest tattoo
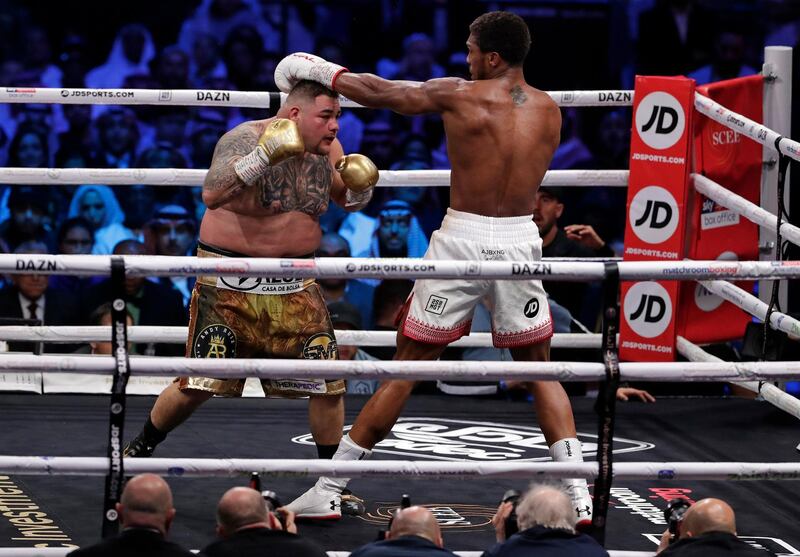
(297,185)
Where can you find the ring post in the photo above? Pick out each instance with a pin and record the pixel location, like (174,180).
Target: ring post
(606,401)
(119,339)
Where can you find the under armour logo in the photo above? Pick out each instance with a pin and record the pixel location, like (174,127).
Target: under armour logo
(587,510)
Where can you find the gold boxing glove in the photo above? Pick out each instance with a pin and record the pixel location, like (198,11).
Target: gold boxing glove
(359,175)
(281,140)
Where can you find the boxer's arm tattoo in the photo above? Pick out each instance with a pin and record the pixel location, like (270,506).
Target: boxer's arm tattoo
(293,185)
(222,182)
(518,95)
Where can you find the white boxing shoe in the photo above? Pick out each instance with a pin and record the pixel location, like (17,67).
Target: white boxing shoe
(581,503)
(317,504)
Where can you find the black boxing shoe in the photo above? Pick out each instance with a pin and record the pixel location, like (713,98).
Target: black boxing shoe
(140,447)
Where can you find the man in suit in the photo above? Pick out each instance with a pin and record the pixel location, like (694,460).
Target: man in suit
(28,297)
(247,526)
(149,303)
(414,533)
(146,513)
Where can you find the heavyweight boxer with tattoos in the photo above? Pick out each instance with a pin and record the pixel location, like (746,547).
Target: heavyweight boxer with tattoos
(269,182)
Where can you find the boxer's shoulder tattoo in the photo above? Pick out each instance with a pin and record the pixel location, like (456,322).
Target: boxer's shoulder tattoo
(518,95)
(297,185)
(236,143)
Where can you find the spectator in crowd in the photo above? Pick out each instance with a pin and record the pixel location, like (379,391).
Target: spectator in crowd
(73,60)
(146,513)
(546,527)
(164,155)
(242,51)
(415,531)
(175,234)
(417,64)
(573,241)
(345,316)
(28,219)
(572,152)
(118,138)
(424,201)
(79,134)
(138,203)
(708,529)
(206,129)
(29,147)
(102,317)
(29,297)
(355,292)
(727,58)
(387,303)
(249,526)
(397,233)
(99,206)
(674,38)
(75,237)
(131,53)
(171,68)
(206,61)
(219,18)
(378,142)
(39,57)
(150,303)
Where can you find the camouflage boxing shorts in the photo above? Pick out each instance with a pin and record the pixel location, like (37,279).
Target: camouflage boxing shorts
(240,317)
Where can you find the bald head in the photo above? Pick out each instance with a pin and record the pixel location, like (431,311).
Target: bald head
(416,521)
(130,247)
(147,503)
(708,515)
(241,507)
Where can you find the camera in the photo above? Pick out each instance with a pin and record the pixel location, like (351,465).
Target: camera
(673,514)
(511,527)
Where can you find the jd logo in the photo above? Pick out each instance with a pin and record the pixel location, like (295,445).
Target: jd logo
(460,440)
(531,308)
(653,215)
(660,120)
(648,309)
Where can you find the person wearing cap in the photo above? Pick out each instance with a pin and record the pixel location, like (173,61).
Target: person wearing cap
(353,291)
(28,221)
(174,233)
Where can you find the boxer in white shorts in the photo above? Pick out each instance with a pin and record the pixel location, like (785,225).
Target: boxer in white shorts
(501,136)
(440,311)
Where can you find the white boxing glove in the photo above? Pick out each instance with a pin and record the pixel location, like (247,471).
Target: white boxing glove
(300,65)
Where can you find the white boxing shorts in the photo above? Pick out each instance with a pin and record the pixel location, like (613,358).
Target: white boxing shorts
(440,311)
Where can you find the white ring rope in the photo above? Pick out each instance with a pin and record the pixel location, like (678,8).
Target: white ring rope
(352,267)
(768,391)
(301,468)
(65,334)
(242,99)
(399,369)
(745,126)
(752,305)
(195,177)
(747,209)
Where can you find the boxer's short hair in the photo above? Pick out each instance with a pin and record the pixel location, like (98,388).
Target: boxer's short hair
(504,33)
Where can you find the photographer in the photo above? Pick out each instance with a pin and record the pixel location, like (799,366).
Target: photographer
(247,526)
(545,518)
(414,533)
(708,528)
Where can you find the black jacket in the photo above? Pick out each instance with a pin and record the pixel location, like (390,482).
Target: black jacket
(60,308)
(547,542)
(158,304)
(263,542)
(404,546)
(712,544)
(134,542)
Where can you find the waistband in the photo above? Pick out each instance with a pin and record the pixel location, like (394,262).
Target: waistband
(480,228)
(249,285)
(212,251)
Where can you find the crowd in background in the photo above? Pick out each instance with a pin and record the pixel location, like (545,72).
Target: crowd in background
(235,44)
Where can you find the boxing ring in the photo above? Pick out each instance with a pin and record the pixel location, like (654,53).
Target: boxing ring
(203,450)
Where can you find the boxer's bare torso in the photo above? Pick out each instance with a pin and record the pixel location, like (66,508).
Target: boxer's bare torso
(278,215)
